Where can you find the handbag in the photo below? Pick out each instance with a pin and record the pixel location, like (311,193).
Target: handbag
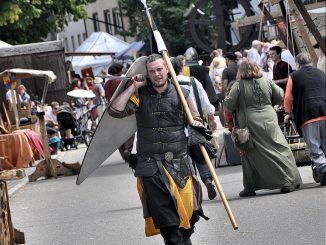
(241,136)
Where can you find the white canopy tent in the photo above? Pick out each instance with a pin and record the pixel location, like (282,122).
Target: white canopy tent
(4,44)
(97,42)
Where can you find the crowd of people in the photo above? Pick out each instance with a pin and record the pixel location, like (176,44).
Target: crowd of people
(260,69)
(251,87)
(247,88)
(23,97)
(273,81)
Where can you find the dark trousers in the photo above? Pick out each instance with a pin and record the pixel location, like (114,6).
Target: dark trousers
(171,235)
(203,170)
(162,209)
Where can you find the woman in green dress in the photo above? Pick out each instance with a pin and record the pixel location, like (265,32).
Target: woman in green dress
(270,163)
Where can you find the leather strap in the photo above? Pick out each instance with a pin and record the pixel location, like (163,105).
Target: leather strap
(194,86)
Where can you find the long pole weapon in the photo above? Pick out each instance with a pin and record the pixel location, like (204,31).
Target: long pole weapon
(163,50)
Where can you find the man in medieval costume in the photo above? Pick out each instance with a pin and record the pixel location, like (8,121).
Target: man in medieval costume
(201,73)
(169,190)
(305,102)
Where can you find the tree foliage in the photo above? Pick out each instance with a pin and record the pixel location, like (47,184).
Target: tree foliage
(169,19)
(25,21)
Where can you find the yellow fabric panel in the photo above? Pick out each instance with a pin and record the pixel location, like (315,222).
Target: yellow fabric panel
(184,197)
(134,99)
(185,205)
(150,229)
(186,71)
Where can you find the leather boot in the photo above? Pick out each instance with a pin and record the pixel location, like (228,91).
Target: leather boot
(186,241)
(210,188)
(171,235)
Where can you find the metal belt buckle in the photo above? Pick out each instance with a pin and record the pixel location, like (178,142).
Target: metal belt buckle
(168,156)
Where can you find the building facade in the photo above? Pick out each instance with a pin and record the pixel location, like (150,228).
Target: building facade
(103,16)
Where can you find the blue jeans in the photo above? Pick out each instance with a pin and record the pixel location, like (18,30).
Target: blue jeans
(203,170)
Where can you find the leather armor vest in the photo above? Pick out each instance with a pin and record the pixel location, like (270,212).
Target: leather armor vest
(160,122)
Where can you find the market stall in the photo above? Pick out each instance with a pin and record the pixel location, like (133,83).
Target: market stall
(48,167)
(95,52)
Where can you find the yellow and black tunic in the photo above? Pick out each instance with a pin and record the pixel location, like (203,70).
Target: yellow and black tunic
(166,202)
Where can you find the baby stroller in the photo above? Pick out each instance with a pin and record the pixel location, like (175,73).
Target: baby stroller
(67,120)
(83,134)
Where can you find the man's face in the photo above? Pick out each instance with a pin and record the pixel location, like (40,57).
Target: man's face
(273,55)
(55,109)
(157,73)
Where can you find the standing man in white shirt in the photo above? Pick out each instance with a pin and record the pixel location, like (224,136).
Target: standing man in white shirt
(253,53)
(207,109)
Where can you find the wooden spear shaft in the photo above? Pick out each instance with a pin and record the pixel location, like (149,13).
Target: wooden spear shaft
(202,148)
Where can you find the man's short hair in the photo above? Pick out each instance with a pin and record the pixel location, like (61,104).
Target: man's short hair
(115,69)
(303,59)
(153,57)
(54,104)
(230,56)
(238,54)
(255,43)
(177,63)
(277,49)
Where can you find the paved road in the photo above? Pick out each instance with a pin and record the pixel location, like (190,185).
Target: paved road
(106,209)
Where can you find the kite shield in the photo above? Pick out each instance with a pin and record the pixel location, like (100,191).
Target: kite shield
(110,132)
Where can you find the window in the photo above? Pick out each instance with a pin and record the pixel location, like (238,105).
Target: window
(66,44)
(79,39)
(70,18)
(95,22)
(107,18)
(73,43)
(117,20)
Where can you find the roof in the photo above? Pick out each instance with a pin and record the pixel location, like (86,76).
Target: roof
(4,45)
(27,73)
(127,52)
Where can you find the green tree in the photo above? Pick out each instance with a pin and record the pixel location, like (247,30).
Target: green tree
(169,19)
(26,21)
